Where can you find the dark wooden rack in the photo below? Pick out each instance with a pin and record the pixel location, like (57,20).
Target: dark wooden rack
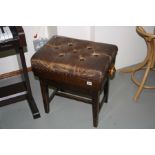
(21,90)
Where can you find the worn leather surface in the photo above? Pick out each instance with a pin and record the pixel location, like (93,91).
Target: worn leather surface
(72,59)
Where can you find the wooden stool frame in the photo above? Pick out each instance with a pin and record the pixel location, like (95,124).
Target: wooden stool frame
(60,91)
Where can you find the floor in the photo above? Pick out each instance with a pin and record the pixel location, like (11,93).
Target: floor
(121,112)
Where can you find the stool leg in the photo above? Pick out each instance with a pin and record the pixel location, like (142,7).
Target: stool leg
(95,109)
(45,95)
(106,90)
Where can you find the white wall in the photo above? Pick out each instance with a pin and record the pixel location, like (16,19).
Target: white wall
(80,32)
(51,30)
(131,47)
(30,31)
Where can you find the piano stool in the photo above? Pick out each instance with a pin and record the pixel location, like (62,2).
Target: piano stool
(75,69)
(22,90)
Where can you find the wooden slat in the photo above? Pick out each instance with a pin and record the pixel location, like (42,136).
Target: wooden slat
(74,97)
(12,100)
(13,73)
(12,89)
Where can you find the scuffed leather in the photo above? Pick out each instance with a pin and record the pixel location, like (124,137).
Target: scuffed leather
(70,57)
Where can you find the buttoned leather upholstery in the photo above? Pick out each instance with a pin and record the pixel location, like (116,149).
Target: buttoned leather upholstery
(74,62)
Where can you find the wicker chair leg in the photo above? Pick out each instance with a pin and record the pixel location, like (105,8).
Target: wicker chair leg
(136,96)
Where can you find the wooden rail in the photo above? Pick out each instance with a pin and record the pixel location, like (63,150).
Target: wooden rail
(13,73)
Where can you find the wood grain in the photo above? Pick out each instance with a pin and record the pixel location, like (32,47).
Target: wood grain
(13,73)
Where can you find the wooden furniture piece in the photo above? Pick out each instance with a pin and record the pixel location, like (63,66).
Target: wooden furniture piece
(147,64)
(76,69)
(22,90)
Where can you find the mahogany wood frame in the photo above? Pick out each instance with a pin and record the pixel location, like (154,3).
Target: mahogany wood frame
(18,88)
(14,73)
(9,93)
(61,91)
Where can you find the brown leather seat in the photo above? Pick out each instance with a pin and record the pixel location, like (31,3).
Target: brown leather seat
(72,59)
(74,64)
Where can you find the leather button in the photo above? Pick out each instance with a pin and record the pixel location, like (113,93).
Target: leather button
(70,44)
(89,47)
(61,54)
(75,51)
(82,59)
(95,54)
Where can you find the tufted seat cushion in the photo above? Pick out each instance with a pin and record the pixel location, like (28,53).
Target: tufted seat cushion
(76,69)
(75,62)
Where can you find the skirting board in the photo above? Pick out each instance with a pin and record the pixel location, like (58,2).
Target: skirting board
(13,73)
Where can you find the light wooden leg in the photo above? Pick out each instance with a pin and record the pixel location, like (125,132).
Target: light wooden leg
(136,96)
(148,63)
(138,83)
(133,68)
(137,66)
